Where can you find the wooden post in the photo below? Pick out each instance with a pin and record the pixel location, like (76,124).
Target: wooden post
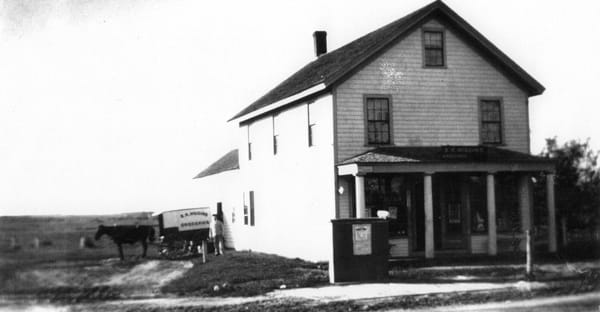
(428,203)
(360,196)
(551,212)
(525,205)
(529,264)
(204,250)
(491,209)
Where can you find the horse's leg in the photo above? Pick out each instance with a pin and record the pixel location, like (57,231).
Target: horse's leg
(145,245)
(121,251)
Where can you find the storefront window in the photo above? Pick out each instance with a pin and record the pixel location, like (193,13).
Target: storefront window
(387,193)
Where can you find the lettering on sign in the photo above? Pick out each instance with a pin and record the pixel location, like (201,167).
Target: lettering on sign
(361,239)
(187,220)
(468,153)
(193,213)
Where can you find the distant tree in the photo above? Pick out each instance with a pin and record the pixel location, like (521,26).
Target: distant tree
(577,183)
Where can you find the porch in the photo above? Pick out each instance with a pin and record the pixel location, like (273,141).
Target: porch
(448,199)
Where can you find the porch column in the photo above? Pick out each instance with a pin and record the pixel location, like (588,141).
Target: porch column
(491,210)
(359,182)
(551,212)
(428,205)
(525,203)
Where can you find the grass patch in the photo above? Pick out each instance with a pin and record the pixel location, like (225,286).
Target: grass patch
(246,274)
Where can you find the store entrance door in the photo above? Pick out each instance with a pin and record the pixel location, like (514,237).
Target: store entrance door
(451,212)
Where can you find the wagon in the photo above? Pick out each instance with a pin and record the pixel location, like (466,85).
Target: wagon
(183,232)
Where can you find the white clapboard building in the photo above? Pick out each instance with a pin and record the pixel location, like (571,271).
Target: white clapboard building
(423,118)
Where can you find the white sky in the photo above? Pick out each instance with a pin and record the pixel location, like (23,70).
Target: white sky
(112,106)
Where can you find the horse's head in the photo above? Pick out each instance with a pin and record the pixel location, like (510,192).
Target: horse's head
(100,232)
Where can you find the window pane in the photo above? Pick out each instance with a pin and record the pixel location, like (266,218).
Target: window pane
(372,127)
(385,137)
(433,39)
(385,127)
(491,132)
(312,134)
(490,110)
(433,44)
(372,137)
(434,57)
(491,122)
(252,208)
(378,120)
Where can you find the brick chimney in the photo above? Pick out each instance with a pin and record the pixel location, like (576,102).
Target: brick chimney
(320,42)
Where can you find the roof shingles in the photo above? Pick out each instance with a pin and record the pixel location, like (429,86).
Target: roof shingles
(229,161)
(332,67)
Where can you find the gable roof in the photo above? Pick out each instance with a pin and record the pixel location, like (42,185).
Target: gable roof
(229,161)
(334,67)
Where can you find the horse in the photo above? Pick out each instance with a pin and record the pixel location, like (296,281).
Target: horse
(127,234)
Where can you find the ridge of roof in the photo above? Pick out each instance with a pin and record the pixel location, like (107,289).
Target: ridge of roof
(333,67)
(229,161)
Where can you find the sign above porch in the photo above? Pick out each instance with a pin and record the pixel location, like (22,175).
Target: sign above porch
(462,153)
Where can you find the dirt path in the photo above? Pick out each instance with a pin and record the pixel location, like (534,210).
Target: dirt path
(139,278)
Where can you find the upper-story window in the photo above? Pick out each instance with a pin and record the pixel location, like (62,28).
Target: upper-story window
(491,121)
(312,126)
(378,120)
(275,135)
(433,48)
(249,145)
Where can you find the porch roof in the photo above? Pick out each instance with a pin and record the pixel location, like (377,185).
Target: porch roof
(443,158)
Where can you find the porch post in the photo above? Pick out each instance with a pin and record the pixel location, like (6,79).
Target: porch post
(491,210)
(428,203)
(524,202)
(359,181)
(551,212)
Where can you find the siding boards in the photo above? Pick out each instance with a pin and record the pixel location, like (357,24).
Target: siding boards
(431,106)
(399,247)
(479,244)
(294,190)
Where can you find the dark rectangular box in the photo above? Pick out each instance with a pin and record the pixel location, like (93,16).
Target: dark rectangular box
(360,250)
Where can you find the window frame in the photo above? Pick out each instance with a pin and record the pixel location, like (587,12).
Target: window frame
(423,47)
(366,97)
(500,102)
(251,198)
(275,137)
(246,210)
(311,141)
(249,146)
(310,126)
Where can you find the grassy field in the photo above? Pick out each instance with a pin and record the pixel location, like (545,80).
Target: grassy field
(247,274)
(59,237)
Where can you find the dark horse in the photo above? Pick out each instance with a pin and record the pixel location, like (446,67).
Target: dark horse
(127,234)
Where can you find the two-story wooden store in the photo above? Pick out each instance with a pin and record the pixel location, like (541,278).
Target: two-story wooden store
(423,118)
